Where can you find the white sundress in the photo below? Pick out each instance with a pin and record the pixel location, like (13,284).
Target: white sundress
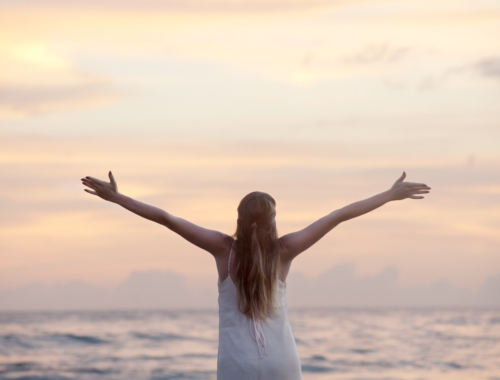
(252,349)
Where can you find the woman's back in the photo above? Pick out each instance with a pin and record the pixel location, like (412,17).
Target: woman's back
(251,348)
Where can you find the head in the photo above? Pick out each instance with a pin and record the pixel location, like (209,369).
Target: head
(257,264)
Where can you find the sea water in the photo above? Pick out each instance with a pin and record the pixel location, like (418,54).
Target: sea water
(380,344)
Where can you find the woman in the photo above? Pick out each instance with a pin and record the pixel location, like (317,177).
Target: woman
(255,338)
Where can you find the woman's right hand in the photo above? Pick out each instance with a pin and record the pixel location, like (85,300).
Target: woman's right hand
(105,190)
(402,190)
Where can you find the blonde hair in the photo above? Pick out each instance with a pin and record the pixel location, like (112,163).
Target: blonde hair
(257,257)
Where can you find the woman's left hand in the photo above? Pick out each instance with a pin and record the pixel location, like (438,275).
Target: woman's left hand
(105,190)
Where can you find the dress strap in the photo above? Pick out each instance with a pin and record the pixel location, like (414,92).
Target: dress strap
(229,261)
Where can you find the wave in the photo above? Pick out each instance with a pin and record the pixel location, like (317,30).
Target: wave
(201,375)
(19,340)
(494,321)
(199,356)
(161,337)
(312,364)
(316,369)
(36,377)
(19,367)
(362,351)
(158,336)
(95,371)
(183,346)
(85,339)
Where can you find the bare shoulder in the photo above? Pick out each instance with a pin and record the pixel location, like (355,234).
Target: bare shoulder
(224,247)
(228,243)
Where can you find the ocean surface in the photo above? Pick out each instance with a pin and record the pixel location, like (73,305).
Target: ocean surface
(357,344)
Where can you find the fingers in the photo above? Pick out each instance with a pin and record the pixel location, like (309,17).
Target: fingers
(415,197)
(98,187)
(89,184)
(420,192)
(413,185)
(402,178)
(95,180)
(98,181)
(416,184)
(111,178)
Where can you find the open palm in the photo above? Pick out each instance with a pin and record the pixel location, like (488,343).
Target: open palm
(402,190)
(105,190)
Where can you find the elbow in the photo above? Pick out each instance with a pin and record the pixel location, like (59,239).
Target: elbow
(339,217)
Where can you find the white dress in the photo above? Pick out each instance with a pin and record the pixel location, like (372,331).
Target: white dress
(251,350)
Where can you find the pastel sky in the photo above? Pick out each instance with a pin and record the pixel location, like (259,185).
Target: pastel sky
(193,104)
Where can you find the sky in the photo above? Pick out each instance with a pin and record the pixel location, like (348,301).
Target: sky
(194,104)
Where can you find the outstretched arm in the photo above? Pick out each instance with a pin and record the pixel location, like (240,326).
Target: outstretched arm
(295,243)
(209,240)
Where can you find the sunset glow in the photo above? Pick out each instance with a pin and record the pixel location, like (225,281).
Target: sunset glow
(194,104)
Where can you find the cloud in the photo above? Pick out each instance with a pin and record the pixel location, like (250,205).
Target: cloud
(379,53)
(340,286)
(490,291)
(303,43)
(157,289)
(337,287)
(36,79)
(186,5)
(489,68)
(16,101)
(149,290)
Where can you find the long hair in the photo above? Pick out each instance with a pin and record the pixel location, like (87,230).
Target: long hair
(257,263)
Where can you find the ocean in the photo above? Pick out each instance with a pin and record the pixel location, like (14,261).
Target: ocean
(354,344)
